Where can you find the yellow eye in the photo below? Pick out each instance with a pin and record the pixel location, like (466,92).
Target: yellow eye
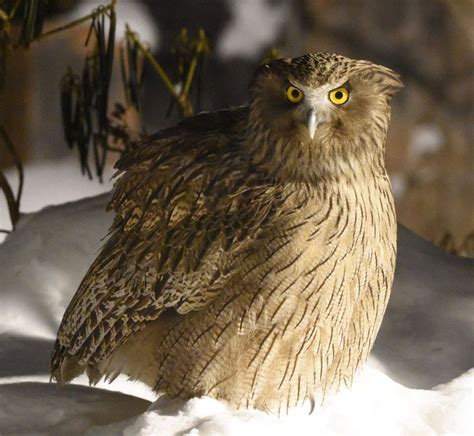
(339,96)
(293,94)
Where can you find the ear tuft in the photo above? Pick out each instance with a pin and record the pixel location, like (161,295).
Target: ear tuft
(388,80)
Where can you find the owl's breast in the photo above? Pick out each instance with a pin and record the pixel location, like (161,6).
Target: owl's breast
(320,260)
(299,310)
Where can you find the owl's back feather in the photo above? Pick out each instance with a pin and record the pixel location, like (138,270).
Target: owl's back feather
(180,213)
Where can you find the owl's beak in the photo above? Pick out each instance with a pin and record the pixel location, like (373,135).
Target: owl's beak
(312,123)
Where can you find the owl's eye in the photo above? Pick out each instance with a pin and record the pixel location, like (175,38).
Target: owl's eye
(339,96)
(293,94)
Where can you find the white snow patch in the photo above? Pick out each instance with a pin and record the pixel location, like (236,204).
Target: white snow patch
(31,304)
(42,264)
(375,405)
(425,138)
(44,408)
(51,182)
(254,26)
(122,384)
(130,12)
(399,184)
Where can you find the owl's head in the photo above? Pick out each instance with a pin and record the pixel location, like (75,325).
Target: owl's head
(321,113)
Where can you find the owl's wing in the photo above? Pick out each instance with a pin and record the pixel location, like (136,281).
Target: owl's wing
(185,202)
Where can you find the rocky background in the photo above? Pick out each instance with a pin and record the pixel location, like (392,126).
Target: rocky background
(430,153)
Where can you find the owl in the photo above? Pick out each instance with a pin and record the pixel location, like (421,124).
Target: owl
(253,249)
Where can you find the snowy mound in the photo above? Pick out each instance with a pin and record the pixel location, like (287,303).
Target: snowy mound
(376,405)
(32,408)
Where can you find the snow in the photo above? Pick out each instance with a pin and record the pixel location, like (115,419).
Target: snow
(372,407)
(427,335)
(426,339)
(41,187)
(255,25)
(426,138)
(399,184)
(45,408)
(375,405)
(131,12)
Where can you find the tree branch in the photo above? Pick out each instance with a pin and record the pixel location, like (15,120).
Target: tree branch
(155,64)
(16,159)
(10,197)
(96,13)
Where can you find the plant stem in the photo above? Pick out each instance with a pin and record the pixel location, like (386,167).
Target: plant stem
(15,8)
(19,166)
(10,197)
(192,68)
(97,12)
(158,68)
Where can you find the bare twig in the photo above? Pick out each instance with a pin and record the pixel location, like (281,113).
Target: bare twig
(14,9)
(131,68)
(17,161)
(154,63)
(179,93)
(94,14)
(13,202)
(201,48)
(13,207)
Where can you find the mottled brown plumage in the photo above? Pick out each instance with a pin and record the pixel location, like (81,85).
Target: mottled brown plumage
(253,249)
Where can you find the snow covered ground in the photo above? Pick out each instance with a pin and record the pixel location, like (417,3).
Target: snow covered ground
(426,339)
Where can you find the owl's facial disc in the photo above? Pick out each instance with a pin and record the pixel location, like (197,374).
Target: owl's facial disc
(318,104)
